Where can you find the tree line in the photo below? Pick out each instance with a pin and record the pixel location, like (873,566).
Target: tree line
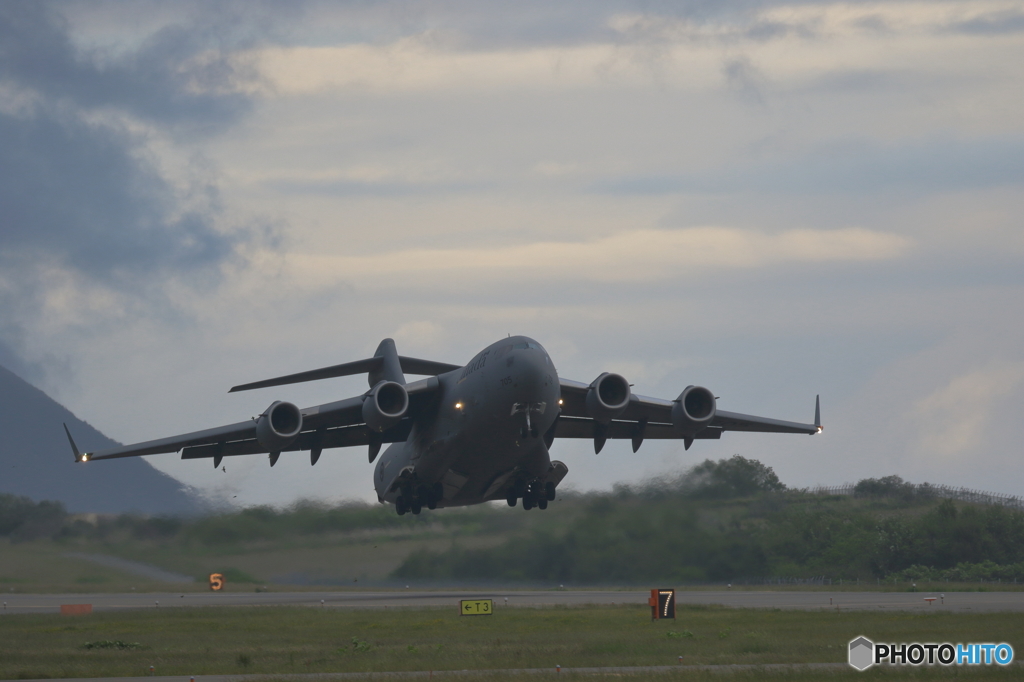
(733,519)
(722,520)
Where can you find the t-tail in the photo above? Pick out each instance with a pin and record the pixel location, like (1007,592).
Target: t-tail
(385,365)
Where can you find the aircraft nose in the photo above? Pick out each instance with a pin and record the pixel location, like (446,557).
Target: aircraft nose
(532,376)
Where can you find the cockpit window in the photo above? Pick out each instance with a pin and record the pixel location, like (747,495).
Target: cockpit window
(524,345)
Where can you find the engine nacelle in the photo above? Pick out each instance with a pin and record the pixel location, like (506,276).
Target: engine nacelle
(278,426)
(693,409)
(608,397)
(385,405)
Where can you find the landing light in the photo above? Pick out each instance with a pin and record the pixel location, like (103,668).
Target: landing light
(85,456)
(820,428)
(458,406)
(559,401)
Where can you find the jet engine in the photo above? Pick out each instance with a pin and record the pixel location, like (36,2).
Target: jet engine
(608,397)
(385,405)
(693,409)
(278,426)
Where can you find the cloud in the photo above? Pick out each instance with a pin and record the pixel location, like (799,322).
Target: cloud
(854,166)
(994,23)
(177,76)
(77,194)
(744,79)
(89,214)
(418,64)
(634,255)
(956,418)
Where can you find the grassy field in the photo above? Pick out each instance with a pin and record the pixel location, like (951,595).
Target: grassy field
(294,640)
(40,566)
(43,566)
(361,560)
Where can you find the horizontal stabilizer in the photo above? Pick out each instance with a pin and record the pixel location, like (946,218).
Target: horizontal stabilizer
(409,366)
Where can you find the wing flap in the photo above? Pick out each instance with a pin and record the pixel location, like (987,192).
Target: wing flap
(340,437)
(231,432)
(583,427)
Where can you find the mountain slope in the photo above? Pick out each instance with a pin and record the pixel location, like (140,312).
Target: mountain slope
(36,460)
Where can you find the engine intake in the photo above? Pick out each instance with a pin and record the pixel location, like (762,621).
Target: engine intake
(608,397)
(278,426)
(385,405)
(693,409)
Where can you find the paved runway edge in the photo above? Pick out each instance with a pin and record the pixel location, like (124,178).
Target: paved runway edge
(956,602)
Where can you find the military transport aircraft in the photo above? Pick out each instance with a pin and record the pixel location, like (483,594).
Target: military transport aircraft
(464,435)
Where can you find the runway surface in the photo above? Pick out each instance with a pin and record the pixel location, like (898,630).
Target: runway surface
(978,602)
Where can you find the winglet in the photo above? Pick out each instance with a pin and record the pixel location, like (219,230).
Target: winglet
(817,412)
(79,456)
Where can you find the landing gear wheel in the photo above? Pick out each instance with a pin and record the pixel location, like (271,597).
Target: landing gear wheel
(527,503)
(542,503)
(416,507)
(511,498)
(535,491)
(400,506)
(549,490)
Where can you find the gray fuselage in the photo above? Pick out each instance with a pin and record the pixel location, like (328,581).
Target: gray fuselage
(483,432)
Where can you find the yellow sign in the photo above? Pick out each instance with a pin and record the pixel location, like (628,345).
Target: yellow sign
(476,607)
(216,581)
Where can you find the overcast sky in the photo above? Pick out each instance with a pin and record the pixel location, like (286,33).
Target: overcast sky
(770,199)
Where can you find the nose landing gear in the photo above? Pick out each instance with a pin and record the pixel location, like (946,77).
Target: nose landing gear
(529,430)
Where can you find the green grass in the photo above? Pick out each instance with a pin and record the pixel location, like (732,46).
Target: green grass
(353,561)
(295,640)
(40,566)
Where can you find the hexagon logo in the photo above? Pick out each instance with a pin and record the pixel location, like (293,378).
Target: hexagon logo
(862,653)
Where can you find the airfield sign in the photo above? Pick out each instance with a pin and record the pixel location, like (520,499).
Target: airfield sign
(476,607)
(216,582)
(663,604)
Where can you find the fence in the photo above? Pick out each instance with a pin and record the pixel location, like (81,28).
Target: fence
(944,491)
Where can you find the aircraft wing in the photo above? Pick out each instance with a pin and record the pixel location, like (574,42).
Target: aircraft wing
(646,417)
(331,425)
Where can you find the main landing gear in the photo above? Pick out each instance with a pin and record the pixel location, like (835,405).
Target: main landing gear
(533,494)
(414,499)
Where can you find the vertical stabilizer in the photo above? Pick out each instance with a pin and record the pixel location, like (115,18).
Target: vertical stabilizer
(390,369)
